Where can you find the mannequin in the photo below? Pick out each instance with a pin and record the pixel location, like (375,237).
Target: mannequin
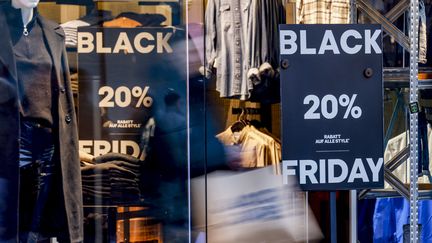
(26,7)
(50,192)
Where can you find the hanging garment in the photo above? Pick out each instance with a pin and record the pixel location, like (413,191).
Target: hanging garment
(323,11)
(422,36)
(252,147)
(397,144)
(422,33)
(240,36)
(393,213)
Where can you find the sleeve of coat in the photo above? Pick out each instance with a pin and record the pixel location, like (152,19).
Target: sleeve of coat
(73,173)
(211,15)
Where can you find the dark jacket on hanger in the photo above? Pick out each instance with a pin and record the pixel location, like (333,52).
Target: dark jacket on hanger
(70,189)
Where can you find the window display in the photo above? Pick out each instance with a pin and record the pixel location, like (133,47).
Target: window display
(152,120)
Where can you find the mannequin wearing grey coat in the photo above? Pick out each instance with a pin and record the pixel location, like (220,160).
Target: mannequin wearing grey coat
(68,207)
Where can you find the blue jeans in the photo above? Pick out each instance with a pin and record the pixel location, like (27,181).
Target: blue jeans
(36,176)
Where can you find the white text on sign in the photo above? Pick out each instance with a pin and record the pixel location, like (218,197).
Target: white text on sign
(143,42)
(330,107)
(290,43)
(323,171)
(100,147)
(122,96)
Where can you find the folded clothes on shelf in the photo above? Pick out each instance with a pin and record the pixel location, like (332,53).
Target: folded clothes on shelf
(111,178)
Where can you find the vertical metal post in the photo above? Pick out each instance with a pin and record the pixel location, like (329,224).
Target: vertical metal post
(353,193)
(353,12)
(353,216)
(333,218)
(414,24)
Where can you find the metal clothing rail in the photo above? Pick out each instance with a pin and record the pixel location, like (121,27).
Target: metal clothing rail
(409,44)
(414,19)
(398,185)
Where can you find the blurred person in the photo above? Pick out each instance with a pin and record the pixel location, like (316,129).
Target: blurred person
(255,207)
(166,172)
(43,142)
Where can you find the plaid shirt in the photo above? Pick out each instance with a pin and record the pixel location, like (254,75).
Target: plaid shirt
(323,11)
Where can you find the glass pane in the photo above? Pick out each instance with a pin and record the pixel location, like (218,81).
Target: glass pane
(121,85)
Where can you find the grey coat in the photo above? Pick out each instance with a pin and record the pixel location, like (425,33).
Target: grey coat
(69,201)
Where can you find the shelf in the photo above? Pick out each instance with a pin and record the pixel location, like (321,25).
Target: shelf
(386,193)
(140,203)
(399,78)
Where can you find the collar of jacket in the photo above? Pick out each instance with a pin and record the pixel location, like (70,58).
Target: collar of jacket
(14,16)
(50,25)
(53,34)
(55,38)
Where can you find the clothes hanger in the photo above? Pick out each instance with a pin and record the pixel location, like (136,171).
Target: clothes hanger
(239,124)
(257,124)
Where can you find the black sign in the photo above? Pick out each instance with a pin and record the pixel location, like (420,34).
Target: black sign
(332,106)
(124,75)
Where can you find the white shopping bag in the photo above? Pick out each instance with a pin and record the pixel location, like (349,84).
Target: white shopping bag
(249,207)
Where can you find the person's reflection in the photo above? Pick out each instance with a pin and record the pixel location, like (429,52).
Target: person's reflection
(169,159)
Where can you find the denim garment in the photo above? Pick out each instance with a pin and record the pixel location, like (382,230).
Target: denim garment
(394,213)
(36,179)
(240,35)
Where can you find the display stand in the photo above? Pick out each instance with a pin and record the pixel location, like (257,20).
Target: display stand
(409,44)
